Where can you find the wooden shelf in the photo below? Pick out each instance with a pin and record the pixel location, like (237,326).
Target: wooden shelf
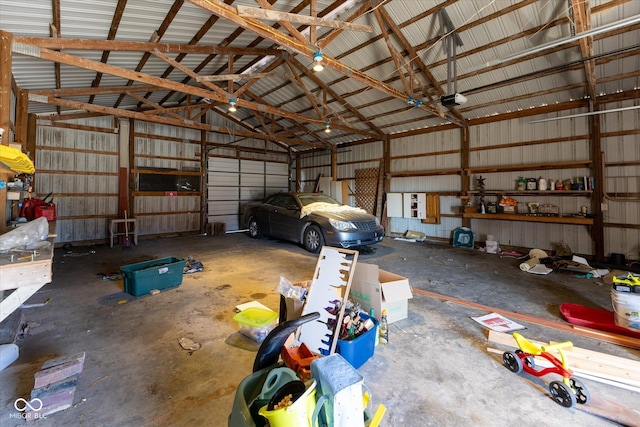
(531,218)
(532,193)
(530,167)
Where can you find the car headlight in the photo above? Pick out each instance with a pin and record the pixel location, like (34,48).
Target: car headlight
(341,225)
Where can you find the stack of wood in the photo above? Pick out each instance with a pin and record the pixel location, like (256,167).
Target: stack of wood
(54,386)
(588,364)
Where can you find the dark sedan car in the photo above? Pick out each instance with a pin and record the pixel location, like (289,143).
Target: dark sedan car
(312,219)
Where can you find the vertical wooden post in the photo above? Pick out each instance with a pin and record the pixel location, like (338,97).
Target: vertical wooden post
(298,173)
(5,86)
(386,150)
(465,179)
(597,196)
(334,163)
(204,161)
(22,118)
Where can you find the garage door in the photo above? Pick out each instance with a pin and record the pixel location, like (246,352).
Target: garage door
(231,183)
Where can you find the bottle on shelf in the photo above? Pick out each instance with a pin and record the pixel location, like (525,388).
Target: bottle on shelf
(383,328)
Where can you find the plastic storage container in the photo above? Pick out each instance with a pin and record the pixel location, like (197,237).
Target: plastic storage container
(256,323)
(144,277)
(626,306)
(360,349)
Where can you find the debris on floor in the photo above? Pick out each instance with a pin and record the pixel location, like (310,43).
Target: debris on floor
(499,323)
(54,387)
(192,266)
(189,344)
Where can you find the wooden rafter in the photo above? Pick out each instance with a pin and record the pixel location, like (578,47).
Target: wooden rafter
(158,109)
(272,15)
(221,9)
(155,37)
(119,112)
(132,46)
(399,62)
(327,89)
(328,38)
(295,78)
(233,77)
(285,23)
(582,21)
(113,29)
(65,58)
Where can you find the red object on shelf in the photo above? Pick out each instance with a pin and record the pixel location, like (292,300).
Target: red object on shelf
(594,318)
(47,210)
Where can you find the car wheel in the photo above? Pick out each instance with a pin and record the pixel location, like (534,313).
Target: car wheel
(254,229)
(313,239)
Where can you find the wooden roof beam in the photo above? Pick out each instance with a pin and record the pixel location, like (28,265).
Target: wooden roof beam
(325,87)
(88,64)
(221,9)
(582,22)
(113,29)
(131,46)
(119,112)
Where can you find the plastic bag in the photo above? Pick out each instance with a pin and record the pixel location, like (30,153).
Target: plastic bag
(289,290)
(31,236)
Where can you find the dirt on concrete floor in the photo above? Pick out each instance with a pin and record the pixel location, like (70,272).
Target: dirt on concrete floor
(435,371)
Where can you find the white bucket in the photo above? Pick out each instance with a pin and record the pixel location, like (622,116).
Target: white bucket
(626,306)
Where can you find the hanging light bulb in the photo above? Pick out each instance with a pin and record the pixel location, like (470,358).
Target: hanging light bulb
(232,105)
(317,59)
(327,127)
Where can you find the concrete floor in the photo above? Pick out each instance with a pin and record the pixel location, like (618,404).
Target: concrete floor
(434,372)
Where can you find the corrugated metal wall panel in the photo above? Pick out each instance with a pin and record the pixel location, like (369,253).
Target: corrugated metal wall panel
(80,168)
(622,182)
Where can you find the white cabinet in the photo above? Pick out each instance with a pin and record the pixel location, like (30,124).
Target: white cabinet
(407,205)
(414,205)
(394,205)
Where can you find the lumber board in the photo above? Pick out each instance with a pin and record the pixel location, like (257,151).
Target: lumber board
(613,367)
(583,373)
(555,324)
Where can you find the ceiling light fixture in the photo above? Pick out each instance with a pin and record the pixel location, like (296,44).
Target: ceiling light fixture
(327,127)
(317,59)
(232,105)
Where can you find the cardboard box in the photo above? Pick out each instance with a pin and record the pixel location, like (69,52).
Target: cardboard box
(375,288)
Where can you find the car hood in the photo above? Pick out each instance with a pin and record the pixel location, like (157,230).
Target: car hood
(330,210)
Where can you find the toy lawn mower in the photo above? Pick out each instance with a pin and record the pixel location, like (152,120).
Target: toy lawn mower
(567,392)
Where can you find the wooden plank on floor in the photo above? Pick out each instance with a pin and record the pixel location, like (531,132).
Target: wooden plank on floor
(561,326)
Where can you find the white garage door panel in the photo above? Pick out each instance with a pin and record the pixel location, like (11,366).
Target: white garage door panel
(222,193)
(251,180)
(276,180)
(223,208)
(224,165)
(277,169)
(223,179)
(252,193)
(231,183)
(252,166)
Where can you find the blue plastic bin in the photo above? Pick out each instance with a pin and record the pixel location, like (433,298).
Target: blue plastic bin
(360,349)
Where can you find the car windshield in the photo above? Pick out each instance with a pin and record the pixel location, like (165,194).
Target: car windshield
(307,199)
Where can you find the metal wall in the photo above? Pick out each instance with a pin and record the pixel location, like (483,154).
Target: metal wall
(80,168)
(166,148)
(621,147)
(519,142)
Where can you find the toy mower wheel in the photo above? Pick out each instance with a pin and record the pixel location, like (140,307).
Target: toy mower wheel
(581,392)
(512,361)
(562,394)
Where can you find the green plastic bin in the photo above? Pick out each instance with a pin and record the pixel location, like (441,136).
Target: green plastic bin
(143,277)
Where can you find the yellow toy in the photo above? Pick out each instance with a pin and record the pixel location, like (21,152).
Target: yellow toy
(567,392)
